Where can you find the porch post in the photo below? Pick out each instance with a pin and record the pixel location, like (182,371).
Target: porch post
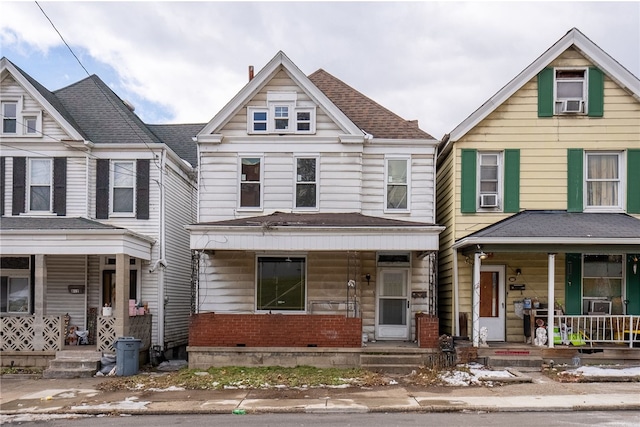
(121,310)
(40,292)
(551,297)
(456,308)
(476,299)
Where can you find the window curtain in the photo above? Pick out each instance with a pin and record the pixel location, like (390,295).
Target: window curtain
(602,177)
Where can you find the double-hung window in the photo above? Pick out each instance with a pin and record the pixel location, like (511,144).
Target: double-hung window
(123,186)
(281,284)
(40,180)
(602,282)
(570,90)
(14,286)
(489,180)
(603,180)
(251,182)
(9,117)
(397,183)
(17,122)
(282,114)
(306,183)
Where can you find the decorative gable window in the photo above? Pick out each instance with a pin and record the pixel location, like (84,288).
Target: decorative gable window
(306,183)
(282,115)
(40,180)
(17,122)
(397,184)
(571,91)
(250,182)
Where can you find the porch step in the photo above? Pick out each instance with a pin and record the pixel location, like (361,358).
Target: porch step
(391,363)
(73,364)
(514,361)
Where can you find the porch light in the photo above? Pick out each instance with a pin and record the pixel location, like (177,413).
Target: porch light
(482,255)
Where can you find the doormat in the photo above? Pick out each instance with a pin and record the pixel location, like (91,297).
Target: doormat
(512,352)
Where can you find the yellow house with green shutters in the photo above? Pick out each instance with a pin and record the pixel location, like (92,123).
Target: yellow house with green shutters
(539,190)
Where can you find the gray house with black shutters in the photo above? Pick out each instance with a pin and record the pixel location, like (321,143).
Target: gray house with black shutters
(94,203)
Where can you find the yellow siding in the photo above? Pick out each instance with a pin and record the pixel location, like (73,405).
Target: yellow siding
(445,197)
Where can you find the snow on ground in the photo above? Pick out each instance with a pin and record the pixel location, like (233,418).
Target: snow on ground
(606,371)
(473,374)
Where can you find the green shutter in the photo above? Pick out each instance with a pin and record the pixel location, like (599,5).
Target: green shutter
(545,93)
(573,284)
(633,284)
(511,181)
(575,180)
(468,190)
(596,92)
(633,181)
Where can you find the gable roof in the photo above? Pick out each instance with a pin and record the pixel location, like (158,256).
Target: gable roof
(180,138)
(370,116)
(579,41)
(279,62)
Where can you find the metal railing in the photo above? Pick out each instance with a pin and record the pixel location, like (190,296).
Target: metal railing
(590,329)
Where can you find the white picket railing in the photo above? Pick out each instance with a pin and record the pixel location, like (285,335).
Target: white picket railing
(583,330)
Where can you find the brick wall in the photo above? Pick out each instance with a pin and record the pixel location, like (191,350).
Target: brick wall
(427,331)
(274,330)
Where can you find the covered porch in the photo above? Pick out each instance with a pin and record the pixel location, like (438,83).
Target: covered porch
(575,271)
(54,273)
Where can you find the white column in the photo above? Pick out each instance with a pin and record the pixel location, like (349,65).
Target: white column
(476,300)
(39,300)
(551,297)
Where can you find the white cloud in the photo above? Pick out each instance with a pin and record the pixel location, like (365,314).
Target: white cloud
(432,61)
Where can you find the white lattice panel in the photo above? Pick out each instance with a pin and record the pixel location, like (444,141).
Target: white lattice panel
(52,333)
(17,333)
(106,334)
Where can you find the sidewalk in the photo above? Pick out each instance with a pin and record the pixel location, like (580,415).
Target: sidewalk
(21,396)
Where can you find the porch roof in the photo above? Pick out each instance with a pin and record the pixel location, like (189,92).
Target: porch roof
(315,232)
(70,236)
(557,231)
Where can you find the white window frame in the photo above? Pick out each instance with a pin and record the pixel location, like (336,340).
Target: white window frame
(251,121)
(113,187)
(242,180)
(311,121)
(622,281)
(406,184)
(619,207)
(306,283)
(559,101)
(21,119)
(499,182)
(17,274)
(30,184)
(275,101)
(297,181)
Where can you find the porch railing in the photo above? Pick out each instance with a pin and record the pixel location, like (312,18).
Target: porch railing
(587,330)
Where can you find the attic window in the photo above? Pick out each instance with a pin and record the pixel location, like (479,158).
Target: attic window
(281,115)
(570,90)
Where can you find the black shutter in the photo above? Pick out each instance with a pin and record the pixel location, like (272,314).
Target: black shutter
(19,183)
(2,160)
(142,189)
(60,186)
(102,189)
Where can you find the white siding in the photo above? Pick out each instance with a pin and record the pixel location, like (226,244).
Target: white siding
(63,271)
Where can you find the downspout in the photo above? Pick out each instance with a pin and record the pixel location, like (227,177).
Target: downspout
(86,189)
(86,291)
(162,249)
(456,308)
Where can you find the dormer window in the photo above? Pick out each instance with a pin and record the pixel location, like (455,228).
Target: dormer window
(281,115)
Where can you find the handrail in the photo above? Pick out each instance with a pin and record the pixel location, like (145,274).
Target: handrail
(601,328)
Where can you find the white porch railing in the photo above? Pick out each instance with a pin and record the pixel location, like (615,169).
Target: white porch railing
(582,330)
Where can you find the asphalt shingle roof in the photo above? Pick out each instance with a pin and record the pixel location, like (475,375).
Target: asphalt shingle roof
(53,223)
(179,138)
(563,224)
(351,219)
(367,114)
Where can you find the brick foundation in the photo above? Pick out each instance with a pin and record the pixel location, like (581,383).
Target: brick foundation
(427,331)
(275,330)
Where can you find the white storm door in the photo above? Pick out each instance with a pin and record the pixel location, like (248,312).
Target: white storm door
(392,305)
(492,306)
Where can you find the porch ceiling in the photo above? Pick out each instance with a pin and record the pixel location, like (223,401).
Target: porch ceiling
(70,236)
(315,232)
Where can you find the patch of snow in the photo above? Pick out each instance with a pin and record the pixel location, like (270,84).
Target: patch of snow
(27,418)
(599,371)
(130,403)
(172,388)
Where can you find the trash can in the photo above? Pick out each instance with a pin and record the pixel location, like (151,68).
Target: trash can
(127,355)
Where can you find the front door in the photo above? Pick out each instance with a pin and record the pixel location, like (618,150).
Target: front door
(392,305)
(492,308)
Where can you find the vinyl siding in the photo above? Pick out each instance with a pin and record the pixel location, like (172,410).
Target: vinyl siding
(63,271)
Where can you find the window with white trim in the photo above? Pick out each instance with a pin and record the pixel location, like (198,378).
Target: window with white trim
(489,181)
(40,183)
(123,186)
(15,289)
(281,284)
(603,176)
(251,182)
(306,183)
(10,117)
(397,183)
(17,122)
(602,282)
(281,115)
(570,90)
(30,125)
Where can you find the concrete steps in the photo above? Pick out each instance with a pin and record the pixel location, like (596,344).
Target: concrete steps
(73,364)
(391,363)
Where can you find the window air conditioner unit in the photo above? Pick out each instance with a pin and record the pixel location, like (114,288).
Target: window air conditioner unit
(572,106)
(489,200)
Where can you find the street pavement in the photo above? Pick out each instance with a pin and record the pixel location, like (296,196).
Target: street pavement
(534,392)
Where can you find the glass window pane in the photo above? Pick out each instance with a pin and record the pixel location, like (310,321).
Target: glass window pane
(30,124)
(123,199)
(39,198)
(304,115)
(260,126)
(123,174)
(281,284)
(251,169)
(282,124)
(602,166)
(393,312)
(393,284)
(397,197)
(397,171)
(260,115)
(9,126)
(489,173)
(304,126)
(306,170)
(40,172)
(306,195)
(569,90)
(18,295)
(250,195)
(10,109)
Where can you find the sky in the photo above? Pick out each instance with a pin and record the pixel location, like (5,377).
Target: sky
(181,62)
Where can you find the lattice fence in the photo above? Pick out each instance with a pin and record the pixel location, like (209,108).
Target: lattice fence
(19,333)
(106,334)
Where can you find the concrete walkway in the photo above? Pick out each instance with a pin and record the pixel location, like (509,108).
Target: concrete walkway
(21,396)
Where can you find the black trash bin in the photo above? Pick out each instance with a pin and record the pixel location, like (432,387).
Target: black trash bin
(127,356)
